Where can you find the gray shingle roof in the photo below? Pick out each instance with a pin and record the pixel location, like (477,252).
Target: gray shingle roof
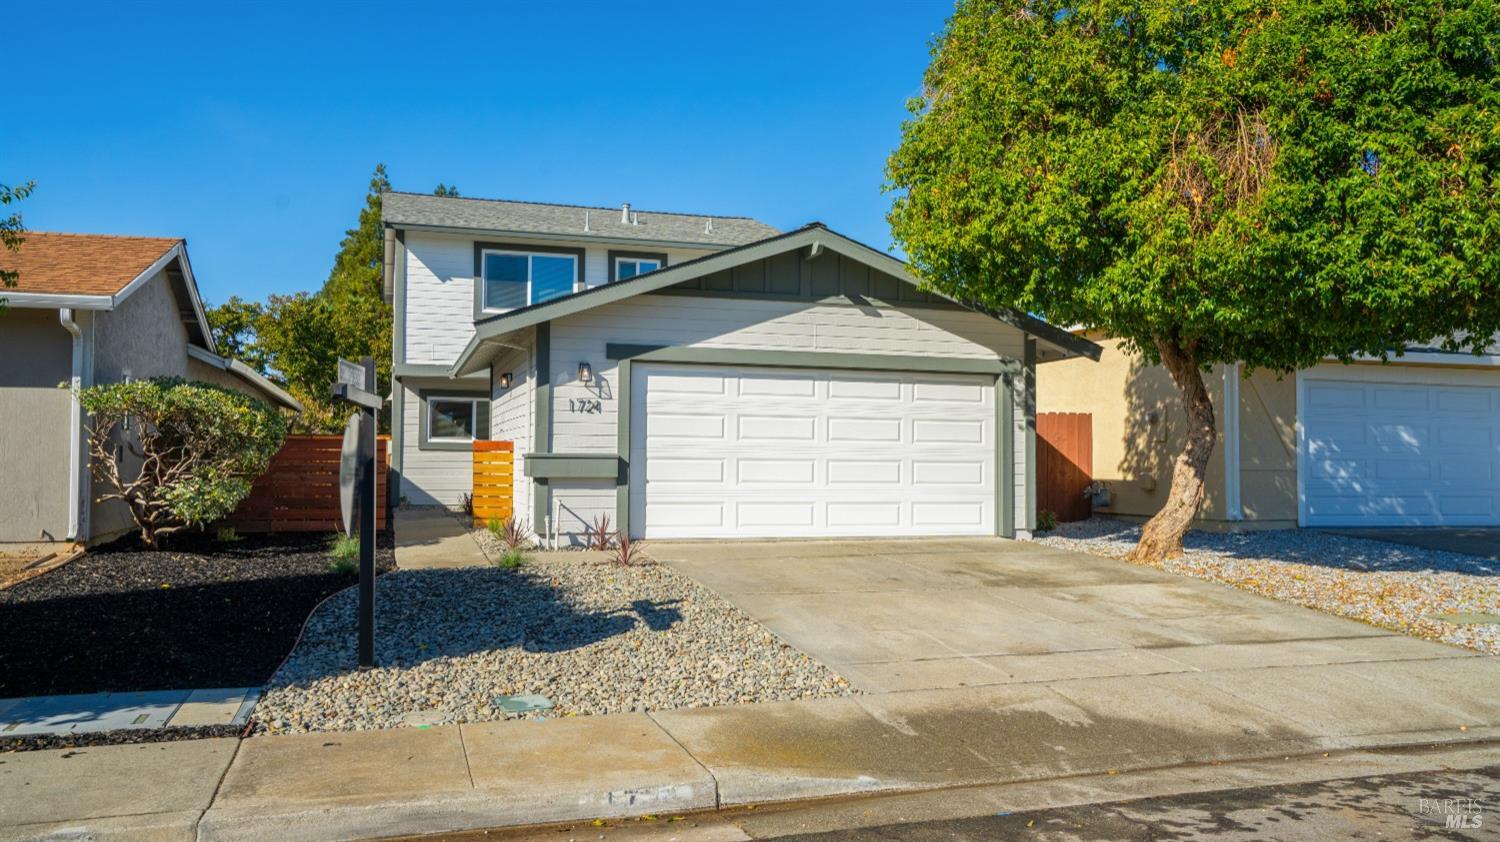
(541,218)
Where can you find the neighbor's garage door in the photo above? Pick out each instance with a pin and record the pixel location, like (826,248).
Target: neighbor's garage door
(747,452)
(1402,446)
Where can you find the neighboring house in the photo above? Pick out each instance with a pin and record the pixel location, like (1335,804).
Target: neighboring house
(91,309)
(695,376)
(1412,442)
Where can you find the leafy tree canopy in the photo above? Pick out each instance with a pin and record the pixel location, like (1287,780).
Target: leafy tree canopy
(1265,181)
(12,231)
(1254,180)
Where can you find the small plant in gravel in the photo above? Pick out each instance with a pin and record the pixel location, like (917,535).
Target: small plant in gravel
(511,559)
(627,551)
(599,537)
(466,503)
(344,552)
(228,535)
(512,534)
(1046,520)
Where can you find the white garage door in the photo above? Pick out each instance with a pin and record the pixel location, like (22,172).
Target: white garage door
(1394,448)
(746,452)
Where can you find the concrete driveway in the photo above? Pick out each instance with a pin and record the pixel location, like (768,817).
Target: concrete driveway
(932,614)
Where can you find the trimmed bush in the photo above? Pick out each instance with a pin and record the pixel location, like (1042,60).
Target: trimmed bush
(178,453)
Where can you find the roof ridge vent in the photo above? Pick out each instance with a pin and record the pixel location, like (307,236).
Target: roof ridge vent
(586,220)
(625,213)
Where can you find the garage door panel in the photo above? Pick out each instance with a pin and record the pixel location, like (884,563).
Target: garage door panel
(689,382)
(803,453)
(1401,453)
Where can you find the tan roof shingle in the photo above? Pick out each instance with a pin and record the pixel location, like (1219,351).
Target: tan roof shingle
(81,264)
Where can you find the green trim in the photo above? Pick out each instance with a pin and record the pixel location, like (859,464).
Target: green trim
(623,420)
(434,371)
(499,324)
(808,359)
(1029,404)
(541,430)
(526,248)
(481,418)
(860,301)
(1005,464)
(615,254)
(398,275)
(573,466)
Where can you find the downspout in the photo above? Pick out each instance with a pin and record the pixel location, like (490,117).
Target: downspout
(75,426)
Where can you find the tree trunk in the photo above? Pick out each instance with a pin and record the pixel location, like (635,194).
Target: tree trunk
(1161,538)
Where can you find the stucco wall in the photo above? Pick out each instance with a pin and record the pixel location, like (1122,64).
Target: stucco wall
(1139,425)
(145,337)
(199,370)
(35,356)
(1268,449)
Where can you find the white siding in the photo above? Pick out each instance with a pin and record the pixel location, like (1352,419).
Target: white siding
(749,324)
(440,288)
(430,477)
(511,419)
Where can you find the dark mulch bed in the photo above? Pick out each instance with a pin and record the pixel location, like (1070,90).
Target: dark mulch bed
(195,613)
(123,736)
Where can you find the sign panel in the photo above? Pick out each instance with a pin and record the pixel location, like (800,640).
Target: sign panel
(351,373)
(349,471)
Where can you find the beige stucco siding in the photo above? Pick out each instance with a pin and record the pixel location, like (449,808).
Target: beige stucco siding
(1139,425)
(35,357)
(1268,449)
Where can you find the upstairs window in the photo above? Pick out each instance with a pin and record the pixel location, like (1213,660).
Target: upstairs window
(626,265)
(515,279)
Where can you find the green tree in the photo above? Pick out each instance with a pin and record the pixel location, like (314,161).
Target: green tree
(1264,181)
(234,326)
(13,232)
(178,453)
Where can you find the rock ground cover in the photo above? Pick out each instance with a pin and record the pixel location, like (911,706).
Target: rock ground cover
(594,638)
(1388,585)
(196,613)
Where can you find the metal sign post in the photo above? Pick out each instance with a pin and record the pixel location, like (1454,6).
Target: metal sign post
(356,384)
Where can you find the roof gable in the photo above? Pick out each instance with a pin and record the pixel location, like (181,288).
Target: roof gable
(814,238)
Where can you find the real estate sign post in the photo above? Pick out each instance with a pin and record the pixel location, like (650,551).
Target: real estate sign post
(356,384)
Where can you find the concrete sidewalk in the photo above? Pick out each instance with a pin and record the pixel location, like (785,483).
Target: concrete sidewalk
(427,780)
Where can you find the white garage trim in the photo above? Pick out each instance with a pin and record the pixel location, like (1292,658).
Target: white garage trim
(744,451)
(1397,446)
(1003,500)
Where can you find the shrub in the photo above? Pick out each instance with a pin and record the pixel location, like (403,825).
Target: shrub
(511,559)
(343,547)
(1046,520)
(466,502)
(598,537)
(626,551)
(193,449)
(228,535)
(511,533)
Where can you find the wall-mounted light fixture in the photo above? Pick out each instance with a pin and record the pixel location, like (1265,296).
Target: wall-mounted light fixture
(585,373)
(505,380)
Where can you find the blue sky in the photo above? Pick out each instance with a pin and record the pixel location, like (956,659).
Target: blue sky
(252,130)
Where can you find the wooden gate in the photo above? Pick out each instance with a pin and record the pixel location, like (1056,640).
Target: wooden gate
(1064,463)
(494,480)
(299,492)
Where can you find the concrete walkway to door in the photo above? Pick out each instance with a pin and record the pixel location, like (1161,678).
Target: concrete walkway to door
(932,614)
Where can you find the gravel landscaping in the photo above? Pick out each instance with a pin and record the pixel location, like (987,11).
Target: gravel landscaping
(592,637)
(1388,585)
(195,613)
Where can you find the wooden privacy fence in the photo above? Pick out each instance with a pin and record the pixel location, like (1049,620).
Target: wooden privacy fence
(299,492)
(1064,463)
(494,480)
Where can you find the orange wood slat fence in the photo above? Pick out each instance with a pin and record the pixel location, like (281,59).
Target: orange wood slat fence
(1064,463)
(494,480)
(299,492)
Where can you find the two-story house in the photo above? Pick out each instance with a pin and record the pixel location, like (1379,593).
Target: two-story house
(697,376)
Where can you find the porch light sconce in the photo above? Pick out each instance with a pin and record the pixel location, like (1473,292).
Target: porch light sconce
(505,380)
(585,373)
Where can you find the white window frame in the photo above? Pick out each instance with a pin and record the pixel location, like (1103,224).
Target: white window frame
(471,400)
(637,261)
(529,255)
